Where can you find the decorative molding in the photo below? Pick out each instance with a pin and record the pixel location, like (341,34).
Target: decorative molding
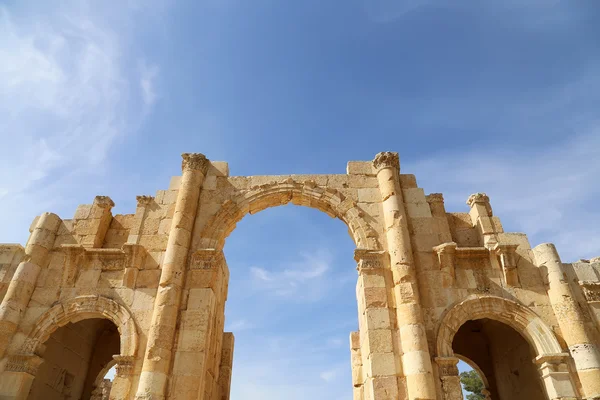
(386,159)
(124,365)
(104,202)
(369,260)
(194,162)
(28,363)
(435,198)
(144,200)
(591,291)
(472,252)
(507,254)
(206,259)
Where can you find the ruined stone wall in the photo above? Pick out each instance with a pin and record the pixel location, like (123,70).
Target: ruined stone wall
(160,275)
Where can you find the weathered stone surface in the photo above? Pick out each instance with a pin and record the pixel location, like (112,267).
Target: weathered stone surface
(424,276)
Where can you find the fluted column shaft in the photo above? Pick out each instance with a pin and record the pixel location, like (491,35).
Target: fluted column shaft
(24,280)
(570,319)
(157,360)
(416,360)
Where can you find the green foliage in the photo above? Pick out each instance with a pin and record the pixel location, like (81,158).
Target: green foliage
(472,382)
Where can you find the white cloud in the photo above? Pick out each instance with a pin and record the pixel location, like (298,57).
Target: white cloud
(65,98)
(549,193)
(301,280)
(329,375)
(148,75)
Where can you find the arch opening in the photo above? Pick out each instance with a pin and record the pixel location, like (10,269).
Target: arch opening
(74,356)
(291,271)
(502,357)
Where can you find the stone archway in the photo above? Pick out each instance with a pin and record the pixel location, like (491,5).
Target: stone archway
(23,366)
(80,308)
(307,193)
(549,356)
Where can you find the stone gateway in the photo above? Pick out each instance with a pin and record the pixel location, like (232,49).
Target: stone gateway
(146,292)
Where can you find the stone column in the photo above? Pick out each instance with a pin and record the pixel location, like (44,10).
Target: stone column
(451,388)
(555,376)
(121,385)
(416,361)
(570,318)
(379,374)
(23,281)
(157,360)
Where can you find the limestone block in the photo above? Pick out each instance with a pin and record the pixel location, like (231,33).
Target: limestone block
(380,364)
(418,210)
(360,168)
(88,278)
(408,181)
(362,182)
(376,341)
(414,195)
(219,168)
(147,278)
(369,196)
(175,183)
(153,259)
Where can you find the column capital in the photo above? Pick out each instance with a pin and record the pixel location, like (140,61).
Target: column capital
(435,198)
(448,365)
(28,363)
(124,365)
(144,200)
(387,159)
(195,162)
(369,260)
(104,202)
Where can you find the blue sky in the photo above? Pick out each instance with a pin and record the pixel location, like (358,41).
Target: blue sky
(501,97)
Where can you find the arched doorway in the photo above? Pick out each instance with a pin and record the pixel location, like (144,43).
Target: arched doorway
(503,357)
(69,347)
(73,357)
(515,350)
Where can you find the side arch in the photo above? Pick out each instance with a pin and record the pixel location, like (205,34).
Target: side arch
(80,308)
(307,193)
(509,312)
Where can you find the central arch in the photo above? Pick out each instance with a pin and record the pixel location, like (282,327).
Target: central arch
(306,193)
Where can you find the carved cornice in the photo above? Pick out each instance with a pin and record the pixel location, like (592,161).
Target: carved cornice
(144,200)
(369,260)
(194,162)
(435,198)
(104,202)
(124,365)
(28,363)
(591,290)
(387,159)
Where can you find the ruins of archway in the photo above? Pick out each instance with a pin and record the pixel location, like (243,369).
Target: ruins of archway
(160,276)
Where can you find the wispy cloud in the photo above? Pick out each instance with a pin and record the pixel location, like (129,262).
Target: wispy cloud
(66,98)
(238,325)
(148,75)
(302,280)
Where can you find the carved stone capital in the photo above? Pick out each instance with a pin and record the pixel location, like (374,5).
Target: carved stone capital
(124,365)
(435,198)
(556,362)
(206,259)
(478,198)
(507,254)
(445,253)
(448,366)
(28,363)
(104,202)
(144,200)
(386,159)
(194,162)
(369,260)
